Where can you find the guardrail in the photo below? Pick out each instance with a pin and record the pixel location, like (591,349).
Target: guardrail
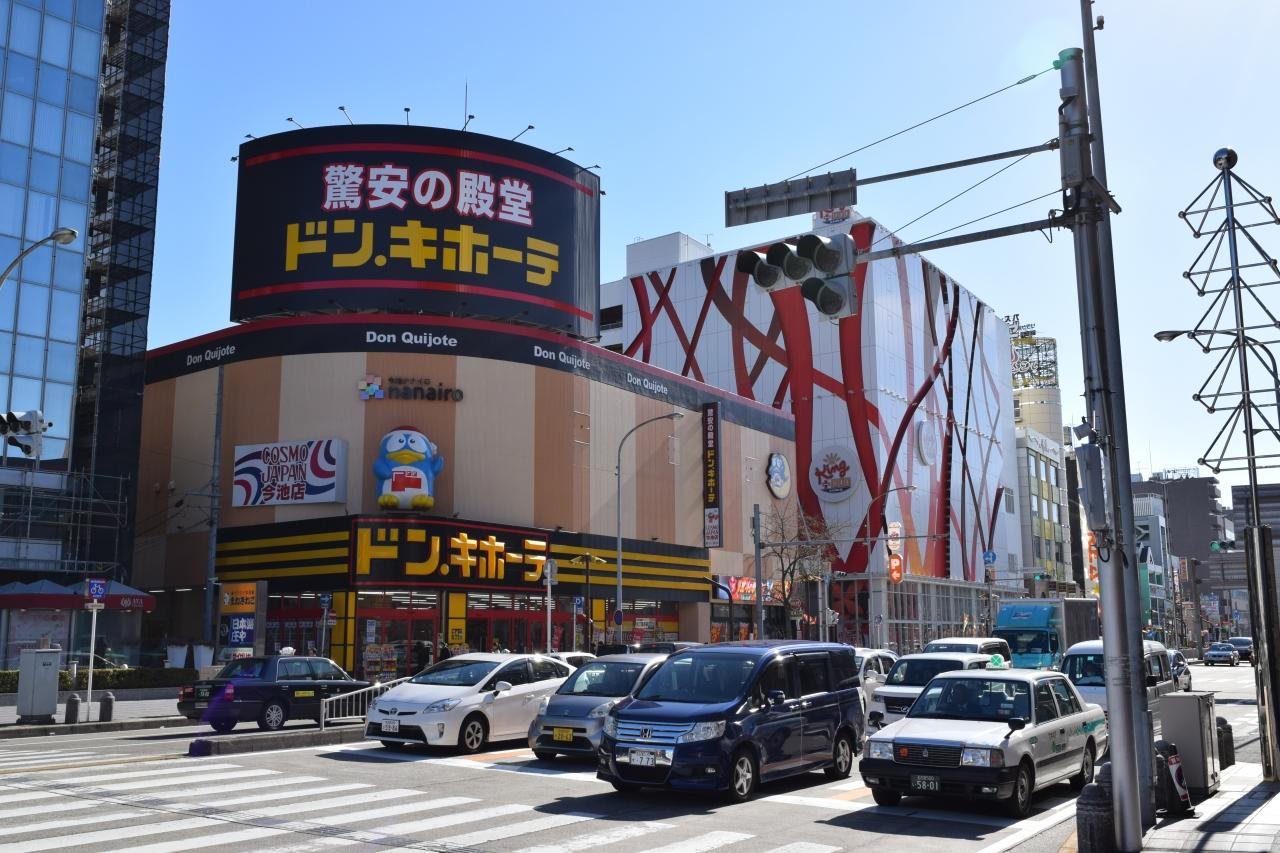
(353,705)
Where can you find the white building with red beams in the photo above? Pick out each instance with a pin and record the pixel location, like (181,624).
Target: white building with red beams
(903,412)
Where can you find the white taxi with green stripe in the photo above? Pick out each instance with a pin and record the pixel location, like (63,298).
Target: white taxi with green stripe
(997,733)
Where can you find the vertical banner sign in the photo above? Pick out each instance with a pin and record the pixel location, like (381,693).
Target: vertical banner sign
(237,614)
(711,521)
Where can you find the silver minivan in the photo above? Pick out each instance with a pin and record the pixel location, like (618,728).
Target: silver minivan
(1084,666)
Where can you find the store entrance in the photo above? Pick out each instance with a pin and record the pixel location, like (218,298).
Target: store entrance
(519,633)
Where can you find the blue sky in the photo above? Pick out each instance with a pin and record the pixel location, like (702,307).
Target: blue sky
(680,101)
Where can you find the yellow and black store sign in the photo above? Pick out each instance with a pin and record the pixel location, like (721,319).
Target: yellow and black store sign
(395,551)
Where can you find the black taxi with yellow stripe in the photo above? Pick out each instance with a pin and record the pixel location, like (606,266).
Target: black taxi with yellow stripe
(267,690)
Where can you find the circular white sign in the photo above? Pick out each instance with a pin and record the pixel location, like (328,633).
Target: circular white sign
(831,473)
(778,476)
(926,442)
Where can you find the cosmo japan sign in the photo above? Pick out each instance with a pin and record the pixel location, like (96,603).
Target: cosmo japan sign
(415,219)
(290,472)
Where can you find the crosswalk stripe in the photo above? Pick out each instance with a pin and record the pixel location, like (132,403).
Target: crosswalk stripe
(53,762)
(168,770)
(296,826)
(26,795)
(592,840)
(13,758)
(109,835)
(353,817)
(273,782)
(277,796)
(443,821)
(804,847)
(179,781)
(701,843)
(46,826)
(63,805)
(512,830)
(366,798)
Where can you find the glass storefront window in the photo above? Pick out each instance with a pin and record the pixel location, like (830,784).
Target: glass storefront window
(24,34)
(13,163)
(28,356)
(20,74)
(53,85)
(55,47)
(84,56)
(33,311)
(48,135)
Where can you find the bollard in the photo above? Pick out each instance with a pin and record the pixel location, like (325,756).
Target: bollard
(105,707)
(1095,825)
(1102,776)
(73,709)
(1226,744)
(1160,788)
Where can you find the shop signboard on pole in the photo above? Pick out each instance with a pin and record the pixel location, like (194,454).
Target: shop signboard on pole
(712,522)
(95,590)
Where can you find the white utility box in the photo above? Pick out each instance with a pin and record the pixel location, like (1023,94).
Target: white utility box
(1187,721)
(38,685)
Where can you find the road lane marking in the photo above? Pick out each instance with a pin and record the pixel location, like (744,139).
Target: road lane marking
(592,840)
(218,839)
(46,826)
(226,776)
(271,796)
(804,847)
(514,830)
(167,770)
(1054,816)
(255,784)
(851,794)
(702,843)
(109,835)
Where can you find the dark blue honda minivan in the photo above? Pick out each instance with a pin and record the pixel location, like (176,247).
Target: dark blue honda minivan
(729,716)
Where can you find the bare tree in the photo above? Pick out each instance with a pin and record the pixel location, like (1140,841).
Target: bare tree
(800,550)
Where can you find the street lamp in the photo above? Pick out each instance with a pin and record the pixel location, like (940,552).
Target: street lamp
(61,236)
(617,474)
(586,561)
(1173,334)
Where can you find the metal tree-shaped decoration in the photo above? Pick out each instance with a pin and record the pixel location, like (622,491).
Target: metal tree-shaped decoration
(1236,316)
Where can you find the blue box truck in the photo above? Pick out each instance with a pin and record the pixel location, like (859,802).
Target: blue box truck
(1040,630)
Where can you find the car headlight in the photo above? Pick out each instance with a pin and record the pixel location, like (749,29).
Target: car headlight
(543,705)
(601,710)
(442,705)
(981,757)
(702,731)
(611,726)
(881,749)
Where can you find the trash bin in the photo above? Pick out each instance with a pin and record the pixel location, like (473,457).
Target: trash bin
(38,685)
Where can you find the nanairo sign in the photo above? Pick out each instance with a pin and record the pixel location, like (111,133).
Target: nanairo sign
(290,472)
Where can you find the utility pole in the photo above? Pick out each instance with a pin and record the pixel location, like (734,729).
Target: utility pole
(1118,422)
(215,492)
(1085,195)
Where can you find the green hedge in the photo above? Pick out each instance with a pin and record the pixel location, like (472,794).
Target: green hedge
(113,679)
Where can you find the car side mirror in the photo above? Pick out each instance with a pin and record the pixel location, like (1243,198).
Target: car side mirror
(775,697)
(876,718)
(1153,680)
(1017,724)
(502,687)
(855,682)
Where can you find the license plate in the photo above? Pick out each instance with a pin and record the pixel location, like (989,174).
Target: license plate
(565,735)
(931,784)
(390,726)
(202,694)
(643,758)
(202,704)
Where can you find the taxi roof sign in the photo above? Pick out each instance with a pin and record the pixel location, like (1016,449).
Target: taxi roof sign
(997,662)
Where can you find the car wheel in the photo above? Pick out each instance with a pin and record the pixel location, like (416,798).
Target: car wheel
(222,725)
(474,734)
(544,755)
(1085,776)
(743,776)
(1023,785)
(273,716)
(841,758)
(1234,662)
(885,797)
(625,787)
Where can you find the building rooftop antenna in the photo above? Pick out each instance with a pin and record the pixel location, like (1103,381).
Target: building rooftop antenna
(291,120)
(343,110)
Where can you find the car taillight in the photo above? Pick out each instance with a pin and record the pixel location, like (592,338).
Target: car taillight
(186,692)
(229,692)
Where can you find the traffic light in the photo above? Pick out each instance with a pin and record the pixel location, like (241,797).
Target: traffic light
(820,265)
(25,431)
(1218,545)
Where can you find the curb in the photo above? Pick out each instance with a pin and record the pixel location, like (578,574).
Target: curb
(16,731)
(233,745)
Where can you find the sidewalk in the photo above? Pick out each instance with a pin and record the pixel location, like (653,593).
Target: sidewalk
(1243,817)
(124,710)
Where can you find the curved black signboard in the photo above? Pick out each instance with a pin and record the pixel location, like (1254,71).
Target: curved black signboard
(415,219)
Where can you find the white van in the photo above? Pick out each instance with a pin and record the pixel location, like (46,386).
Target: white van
(1084,666)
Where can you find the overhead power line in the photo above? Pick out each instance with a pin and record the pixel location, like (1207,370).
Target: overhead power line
(1026,79)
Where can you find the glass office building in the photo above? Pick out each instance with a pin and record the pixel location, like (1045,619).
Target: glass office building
(52,59)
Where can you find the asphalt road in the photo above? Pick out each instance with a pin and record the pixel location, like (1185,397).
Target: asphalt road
(135,791)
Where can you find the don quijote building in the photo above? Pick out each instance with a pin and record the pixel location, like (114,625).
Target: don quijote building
(412,420)
(903,417)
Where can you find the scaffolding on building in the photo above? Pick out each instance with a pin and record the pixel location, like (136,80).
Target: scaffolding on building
(48,519)
(1035,358)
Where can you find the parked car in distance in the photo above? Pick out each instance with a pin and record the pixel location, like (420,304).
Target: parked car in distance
(1083,666)
(574,659)
(466,700)
(1001,734)
(267,690)
(730,716)
(1180,670)
(571,720)
(1243,645)
(666,647)
(973,645)
(911,673)
(873,667)
(1221,653)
